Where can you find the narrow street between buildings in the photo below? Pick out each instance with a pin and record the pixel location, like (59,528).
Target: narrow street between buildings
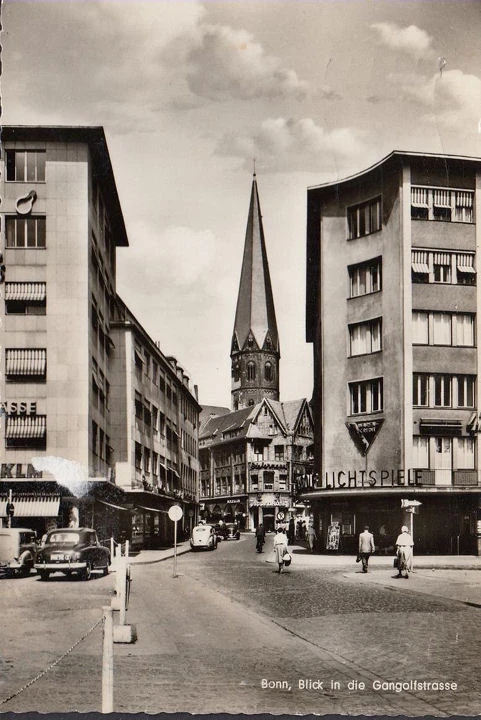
(229,634)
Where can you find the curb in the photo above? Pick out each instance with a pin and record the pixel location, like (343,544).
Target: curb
(180,551)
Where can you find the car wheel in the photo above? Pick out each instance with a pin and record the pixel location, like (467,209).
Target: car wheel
(87,572)
(105,570)
(44,574)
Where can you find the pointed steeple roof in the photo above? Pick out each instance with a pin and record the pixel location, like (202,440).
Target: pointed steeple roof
(255,311)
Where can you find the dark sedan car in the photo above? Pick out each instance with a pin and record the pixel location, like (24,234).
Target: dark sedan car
(232,532)
(72,550)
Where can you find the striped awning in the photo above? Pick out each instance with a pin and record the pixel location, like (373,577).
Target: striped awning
(465,263)
(25,361)
(420,267)
(33,506)
(33,291)
(26,426)
(419,261)
(442,258)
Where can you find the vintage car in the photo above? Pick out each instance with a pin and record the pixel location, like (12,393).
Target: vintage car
(232,532)
(18,550)
(203,537)
(72,550)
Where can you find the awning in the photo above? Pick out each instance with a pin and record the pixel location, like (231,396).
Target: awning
(33,506)
(148,509)
(25,361)
(26,426)
(33,291)
(466,269)
(112,505)
(446,428)
(420,267)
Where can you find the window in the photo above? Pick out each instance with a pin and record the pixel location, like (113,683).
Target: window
(366,396)
(25,298)
(365,278)
(430,266)
(420,328)
(26,364)
(365,337)
(442,204)
(465,386)
(25,165)
(420,390)
(268,481)
(138,456)
(251,370)
(442,390)
(279,452)
(364,218)
(465,448)
(420,452)
(25,232)
(443,328)
(464,330)
(138,405)
(268,371)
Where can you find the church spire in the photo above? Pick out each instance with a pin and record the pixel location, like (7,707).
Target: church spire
(255,350)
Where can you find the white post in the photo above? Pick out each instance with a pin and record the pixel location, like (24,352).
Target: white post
(411,518)
(122,575)
(108,662)
(174,574)
(127,548)
(112,548)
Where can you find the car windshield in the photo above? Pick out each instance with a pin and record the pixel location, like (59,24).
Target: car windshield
(63,538)
(27,537)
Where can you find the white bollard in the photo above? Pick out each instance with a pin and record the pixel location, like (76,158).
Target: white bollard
(127,548)
(122,577)
(108,662)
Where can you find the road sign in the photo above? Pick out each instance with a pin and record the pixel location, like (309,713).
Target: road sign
(410,503)
(280,516)
(175,512)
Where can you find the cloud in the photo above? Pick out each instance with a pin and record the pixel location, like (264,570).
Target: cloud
(286,144)
(452,99)
(224,63)
(411,39)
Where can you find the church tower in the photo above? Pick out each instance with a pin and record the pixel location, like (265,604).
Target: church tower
(255,352)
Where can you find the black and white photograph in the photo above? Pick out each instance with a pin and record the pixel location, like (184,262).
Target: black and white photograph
(240,385)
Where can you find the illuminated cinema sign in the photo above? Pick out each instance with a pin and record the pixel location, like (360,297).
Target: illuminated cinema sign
(14,407)
(342,479)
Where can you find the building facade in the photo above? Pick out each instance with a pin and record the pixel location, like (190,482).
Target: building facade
(253,458)
(392,313)
(251,461)
(61,224)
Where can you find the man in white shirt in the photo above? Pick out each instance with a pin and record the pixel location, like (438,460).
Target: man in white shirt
(404,544)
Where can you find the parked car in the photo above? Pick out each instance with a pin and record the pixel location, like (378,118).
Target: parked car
(220,531)
(203,537)
(72,550)
(232,531)
(18,550)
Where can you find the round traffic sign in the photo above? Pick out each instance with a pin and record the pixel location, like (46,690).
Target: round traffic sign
(280,516)
(175,512)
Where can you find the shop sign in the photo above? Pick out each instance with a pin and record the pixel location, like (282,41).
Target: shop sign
(19,470)
(341,479)
(15,407)
(233,501)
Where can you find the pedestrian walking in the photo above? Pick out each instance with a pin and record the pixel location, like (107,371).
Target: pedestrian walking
(311,537)
(404,545)
(291,532)
(366,547)
(280,547)
(260,537)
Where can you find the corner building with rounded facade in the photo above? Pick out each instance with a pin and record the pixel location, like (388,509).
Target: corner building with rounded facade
(392,314)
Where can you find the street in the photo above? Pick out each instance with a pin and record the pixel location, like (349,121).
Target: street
(228,634)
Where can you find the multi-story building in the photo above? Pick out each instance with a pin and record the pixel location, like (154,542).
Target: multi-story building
(252,458)
(155,424)
(393,315)
(61,224)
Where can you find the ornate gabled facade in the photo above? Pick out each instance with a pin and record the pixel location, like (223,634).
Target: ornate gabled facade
(255,352)
(252,461)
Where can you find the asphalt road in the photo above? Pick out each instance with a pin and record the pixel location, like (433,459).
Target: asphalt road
(229,635)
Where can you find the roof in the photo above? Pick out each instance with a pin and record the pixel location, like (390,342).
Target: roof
(255,310)
(211,411)
(392,155)
(287,414)
(94,137)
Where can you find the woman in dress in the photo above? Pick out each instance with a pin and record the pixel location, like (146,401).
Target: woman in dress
(280,547)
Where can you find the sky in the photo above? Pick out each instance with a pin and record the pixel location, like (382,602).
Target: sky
(189,92)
